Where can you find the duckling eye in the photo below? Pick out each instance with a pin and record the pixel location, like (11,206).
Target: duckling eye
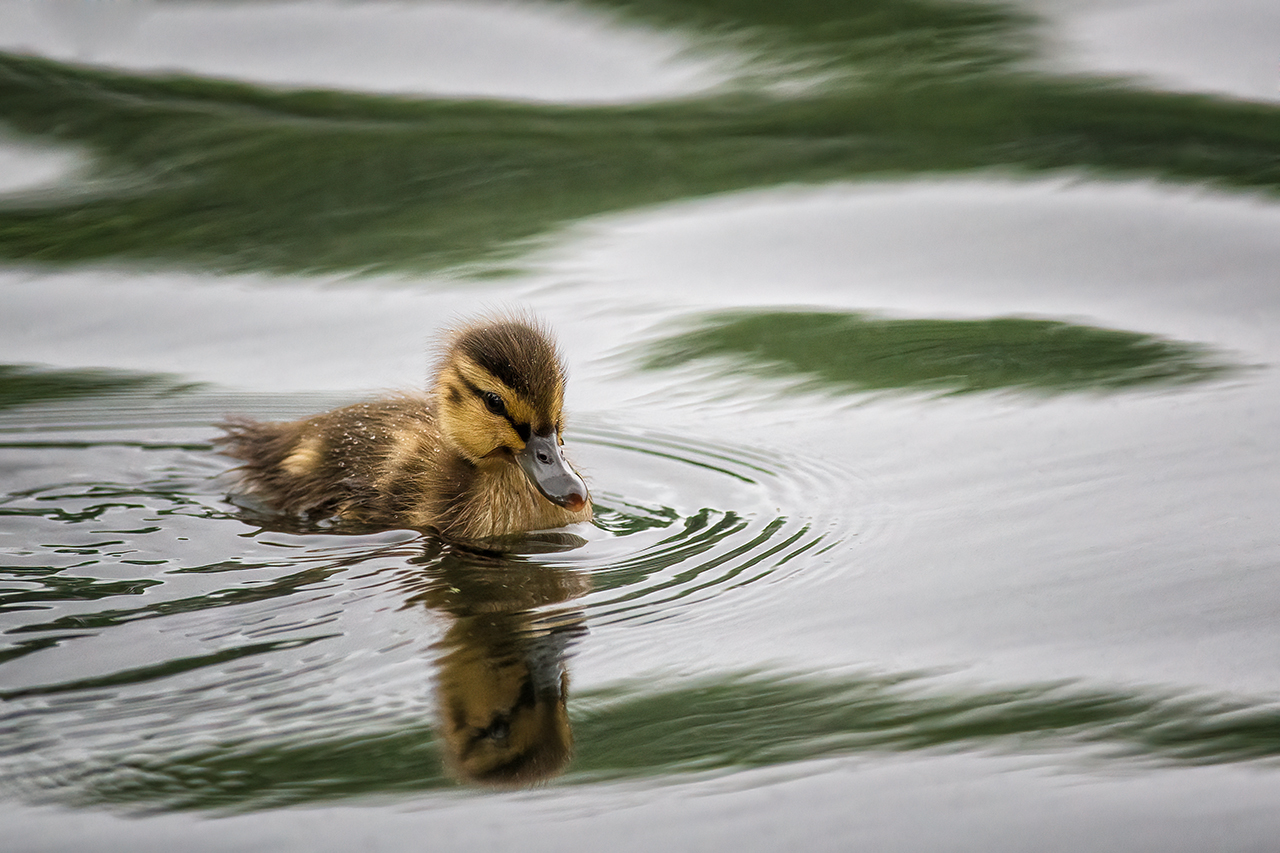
(498,731)
(494,403)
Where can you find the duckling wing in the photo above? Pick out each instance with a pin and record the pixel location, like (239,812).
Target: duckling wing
(337,463)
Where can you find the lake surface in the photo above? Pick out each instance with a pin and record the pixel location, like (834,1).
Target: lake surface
(923,379)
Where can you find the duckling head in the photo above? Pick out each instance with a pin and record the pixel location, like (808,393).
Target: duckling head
(499,397)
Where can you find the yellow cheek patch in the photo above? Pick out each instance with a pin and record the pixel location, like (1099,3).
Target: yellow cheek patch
(520,411)
(305,458)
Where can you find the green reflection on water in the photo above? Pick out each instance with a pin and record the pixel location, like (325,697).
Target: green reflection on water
(249,777)
(231,176)
(732,722)
(844,352)
(22,384)
(869,35)
(760,720)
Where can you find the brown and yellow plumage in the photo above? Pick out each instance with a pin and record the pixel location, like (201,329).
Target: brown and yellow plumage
(478,456)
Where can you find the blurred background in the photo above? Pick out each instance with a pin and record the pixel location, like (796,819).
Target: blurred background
(921,367)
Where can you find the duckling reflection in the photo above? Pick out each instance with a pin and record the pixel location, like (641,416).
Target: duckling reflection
(502,680)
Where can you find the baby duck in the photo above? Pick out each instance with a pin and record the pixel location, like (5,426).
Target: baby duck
(478,456)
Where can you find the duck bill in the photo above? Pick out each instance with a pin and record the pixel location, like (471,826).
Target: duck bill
(550,474)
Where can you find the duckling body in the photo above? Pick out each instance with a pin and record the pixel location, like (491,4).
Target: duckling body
(478,456)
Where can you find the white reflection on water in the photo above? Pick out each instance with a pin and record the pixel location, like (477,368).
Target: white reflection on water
(25,167)
(1191,265)
(456,48)
(1230,47)
(1187,263)
(92,25)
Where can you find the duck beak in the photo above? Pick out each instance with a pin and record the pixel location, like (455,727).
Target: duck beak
(546,468)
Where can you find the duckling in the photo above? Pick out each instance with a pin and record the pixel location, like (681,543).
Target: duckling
(478,456)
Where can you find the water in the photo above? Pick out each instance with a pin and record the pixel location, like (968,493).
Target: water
(931,449)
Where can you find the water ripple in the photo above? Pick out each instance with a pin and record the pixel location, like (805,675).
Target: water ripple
(154,641)
(747,516)
(159,652)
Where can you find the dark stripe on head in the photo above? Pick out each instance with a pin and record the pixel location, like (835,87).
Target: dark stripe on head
(517,355)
